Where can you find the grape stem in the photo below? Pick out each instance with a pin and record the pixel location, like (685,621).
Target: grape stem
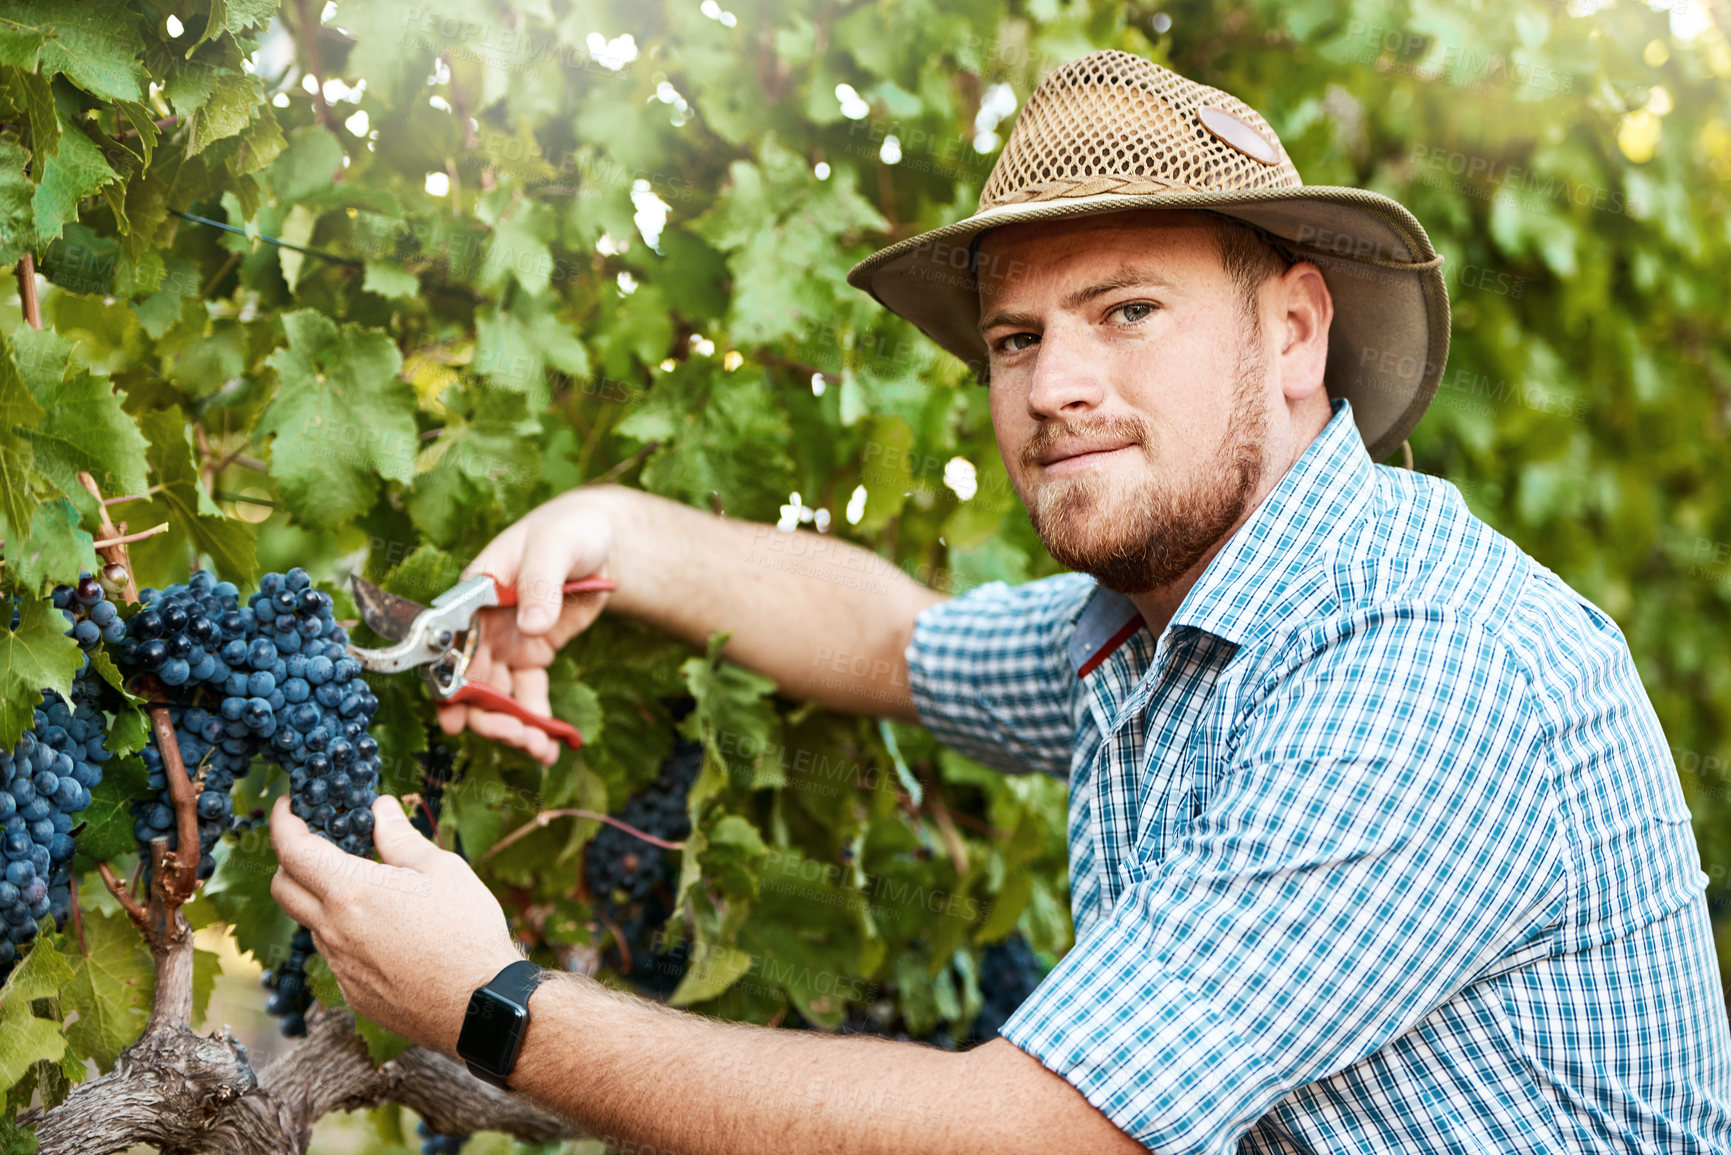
(132,496)
(128,538)
(127,903)
(27,301)
(176,874)
(546,817)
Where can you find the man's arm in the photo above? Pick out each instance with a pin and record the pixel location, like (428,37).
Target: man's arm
(825,619)
(409,938)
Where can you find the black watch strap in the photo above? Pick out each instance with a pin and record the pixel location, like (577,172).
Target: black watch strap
(516,983)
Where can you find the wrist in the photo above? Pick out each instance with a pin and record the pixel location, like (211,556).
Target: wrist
(497,1021)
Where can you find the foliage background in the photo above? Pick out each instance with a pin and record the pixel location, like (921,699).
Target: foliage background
(570,241)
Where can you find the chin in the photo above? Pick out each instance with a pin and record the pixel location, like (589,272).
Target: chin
(1135,537)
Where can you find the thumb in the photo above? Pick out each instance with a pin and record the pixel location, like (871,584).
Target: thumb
(398,842)
(578,549)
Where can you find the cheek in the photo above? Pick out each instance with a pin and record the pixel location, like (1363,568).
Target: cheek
(1011,428)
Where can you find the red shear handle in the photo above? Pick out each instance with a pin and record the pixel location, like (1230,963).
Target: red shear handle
(508,594)
(487,698)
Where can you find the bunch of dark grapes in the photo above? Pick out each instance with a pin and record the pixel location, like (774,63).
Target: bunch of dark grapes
(631,881)
(44,780)
(312,709)
(277,680)
(1009,972)
(290,994)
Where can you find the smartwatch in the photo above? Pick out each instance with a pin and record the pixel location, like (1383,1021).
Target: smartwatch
(498,1018)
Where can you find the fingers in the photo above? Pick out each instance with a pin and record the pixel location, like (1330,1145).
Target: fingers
(577,548)
(504,728)
(296,900)
(397,840)
(308,859)
(529,686)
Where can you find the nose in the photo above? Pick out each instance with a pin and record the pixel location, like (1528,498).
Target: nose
(1066,381)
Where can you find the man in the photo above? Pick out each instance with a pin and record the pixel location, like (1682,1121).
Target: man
(1376,844)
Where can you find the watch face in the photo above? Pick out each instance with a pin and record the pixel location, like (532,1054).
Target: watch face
(492,1032)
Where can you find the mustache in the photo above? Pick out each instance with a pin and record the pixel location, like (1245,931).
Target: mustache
(1057,431)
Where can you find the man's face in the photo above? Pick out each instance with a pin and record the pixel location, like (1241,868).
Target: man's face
(1130,391)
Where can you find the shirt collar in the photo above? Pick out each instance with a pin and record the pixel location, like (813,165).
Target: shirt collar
(1311,507)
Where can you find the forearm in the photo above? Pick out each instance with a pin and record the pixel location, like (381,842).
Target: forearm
(825,619)
(648,1079)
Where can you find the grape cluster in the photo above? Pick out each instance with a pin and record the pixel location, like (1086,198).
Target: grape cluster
(277,681)
(631,881)
(44,780)
(433,1143)
(290,994)
(1009,972)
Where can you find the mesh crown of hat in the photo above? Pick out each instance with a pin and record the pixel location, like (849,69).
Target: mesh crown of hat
(1112,122)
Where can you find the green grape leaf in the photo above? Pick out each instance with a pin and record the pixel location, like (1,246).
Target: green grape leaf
(382,1045)
(476,459)
(711,971)
(16,1140)
(86,429)
(37,656)
(244,14)
(108,821)
(56,551)
(17,216)
(110,988)
(231,105)
(306,165)
(95,45)
(193,518)
(24,1038)
(206,969)
(240,893)
(18,413)
(390,281)
(74,171)
(341,419)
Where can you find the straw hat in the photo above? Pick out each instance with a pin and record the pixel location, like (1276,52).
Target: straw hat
(1111,132)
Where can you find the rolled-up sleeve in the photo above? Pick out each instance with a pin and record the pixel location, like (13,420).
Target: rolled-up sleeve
(1384,834)
(990,673)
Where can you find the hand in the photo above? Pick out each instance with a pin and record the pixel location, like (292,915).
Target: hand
(408,938)
(567,538)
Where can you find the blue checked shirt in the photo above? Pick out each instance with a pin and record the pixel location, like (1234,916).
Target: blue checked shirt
(1378,847)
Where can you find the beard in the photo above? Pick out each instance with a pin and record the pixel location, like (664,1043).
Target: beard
(1137,539)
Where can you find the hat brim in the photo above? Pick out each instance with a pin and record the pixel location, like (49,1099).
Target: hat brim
(1389,338)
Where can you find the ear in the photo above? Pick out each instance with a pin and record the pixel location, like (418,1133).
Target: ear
(1303,309)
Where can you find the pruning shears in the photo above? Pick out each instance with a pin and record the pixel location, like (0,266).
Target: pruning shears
(441,640)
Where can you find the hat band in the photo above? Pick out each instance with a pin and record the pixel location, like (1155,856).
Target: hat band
(1352,254)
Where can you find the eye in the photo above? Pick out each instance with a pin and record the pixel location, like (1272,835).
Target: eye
(1016,342)
(1133,311)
